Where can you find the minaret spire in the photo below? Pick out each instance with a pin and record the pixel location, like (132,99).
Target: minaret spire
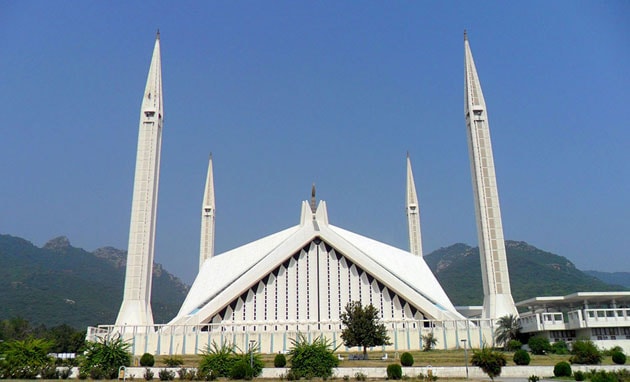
(413,213)
(206,248)
(313,200)
(136,305)
(497,301)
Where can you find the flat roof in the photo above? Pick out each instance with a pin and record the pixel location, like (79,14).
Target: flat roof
(578,297)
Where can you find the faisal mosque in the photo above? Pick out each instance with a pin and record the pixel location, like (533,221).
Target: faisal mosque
(300,279)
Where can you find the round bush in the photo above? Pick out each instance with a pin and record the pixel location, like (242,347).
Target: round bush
(241,370)
(279,360)
(619,358)
(147,360)
(394,371)
(406,359)
(579,376)
(562,369)
(521,357)
(539,345)
(514,345)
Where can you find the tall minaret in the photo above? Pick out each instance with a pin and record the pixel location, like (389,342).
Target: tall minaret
(206,247)
(497,300)
(136,305)
(413,213)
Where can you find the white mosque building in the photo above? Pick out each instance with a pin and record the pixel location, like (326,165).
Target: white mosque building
(300,279)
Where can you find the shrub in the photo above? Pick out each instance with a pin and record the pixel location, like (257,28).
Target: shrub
(166,375)
(24,359)
(428,341)
(609,352)
(187,374)
(514,345)
(360,376)
(533,378)
(171,361)
(560,347)
(106,355)
(406,359)
(489,361)
(604,376)
(585,352)
(394,371)
(49,371)
(579,376)
(242,370)
(279,360)
(147,360)
(521,357)
(619,358)
(562,369)
(316,359)
(148,374)
(217,359)
(539,345)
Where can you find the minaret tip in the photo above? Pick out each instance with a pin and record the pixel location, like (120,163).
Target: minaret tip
(157,35)
(407,154)
(313,202)
(465,35)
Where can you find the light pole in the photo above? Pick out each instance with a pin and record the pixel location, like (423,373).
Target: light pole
(466,356)
(251,353)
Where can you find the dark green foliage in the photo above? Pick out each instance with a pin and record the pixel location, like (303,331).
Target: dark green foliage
(148,374)
(362,327)
(489,360)
(539,345)
(147,360)
(61,284)
(166,375)
(533,378)
(279,360)
(555,275)
(609,352)
(559,347)
(217,359)
(428,341)
(316,359)
(521,357)
(585,352)
(242,370)
(562,369)
(579,376)
(25,359)
(621,375)
(619,358)
(406,359)
(514,345)
(394,371)
(173,361)
(508,328)
(105,357)
(360,376)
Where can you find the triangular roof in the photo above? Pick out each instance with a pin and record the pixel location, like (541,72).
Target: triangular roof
(224,277)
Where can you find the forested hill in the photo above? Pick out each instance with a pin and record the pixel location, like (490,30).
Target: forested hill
(59,283)
(533,272)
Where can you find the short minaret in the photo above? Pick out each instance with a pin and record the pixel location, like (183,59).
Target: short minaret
(206,247)
(413,213)
(497,301)
(136,305)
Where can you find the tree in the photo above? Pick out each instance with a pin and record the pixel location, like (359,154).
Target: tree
(489,361)
(429,341)
(508,329)
(362,327)
(24,359)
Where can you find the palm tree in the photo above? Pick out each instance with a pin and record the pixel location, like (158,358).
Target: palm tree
(508,328)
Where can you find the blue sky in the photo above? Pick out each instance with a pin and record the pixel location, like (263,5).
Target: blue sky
(285,94)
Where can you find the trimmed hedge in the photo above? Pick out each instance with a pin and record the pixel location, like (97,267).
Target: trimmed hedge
(147,360)
(394,371)
(521,357)
(279,360)
(619,358)
(406,359)
(562,369)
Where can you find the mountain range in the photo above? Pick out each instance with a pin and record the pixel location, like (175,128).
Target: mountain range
(59,283)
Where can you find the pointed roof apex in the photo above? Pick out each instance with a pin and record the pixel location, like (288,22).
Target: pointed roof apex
(465,35)
(157,35)
(407,154)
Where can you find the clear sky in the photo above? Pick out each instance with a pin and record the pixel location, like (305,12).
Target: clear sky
(285,94)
